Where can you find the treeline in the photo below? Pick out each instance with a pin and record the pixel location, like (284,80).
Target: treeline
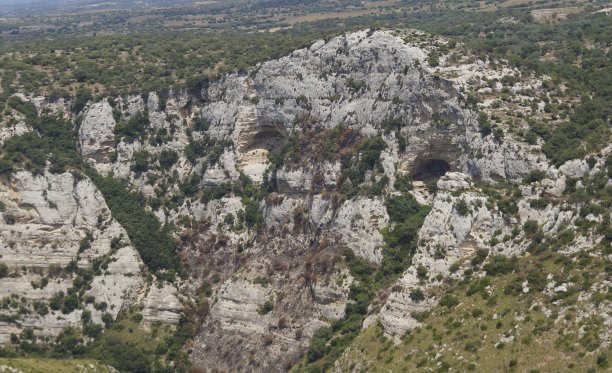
(576,57)
(135,63)
(579,61)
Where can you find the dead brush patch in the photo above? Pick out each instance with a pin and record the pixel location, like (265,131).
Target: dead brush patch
(274,199)
(318,144)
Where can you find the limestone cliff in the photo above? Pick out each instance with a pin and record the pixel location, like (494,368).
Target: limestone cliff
(269,176)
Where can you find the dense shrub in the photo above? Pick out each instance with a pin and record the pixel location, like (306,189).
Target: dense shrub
(369,151)
(191,185)
(449,301)
(71,302)
(26,147)
(26,108)
(361,269)
(141,161)
(462,207)
(135,128)
(483,124)
(318,344)
(153,241)
(55,142)
(253,214)
(403,184)
(480,256)
(585,132)
(206,146)
(199,124)
(82,96)
(3,270)
(265,308)
(478,286)
(400,240)
(538,203)
(534,176)
(167,159)
(125,356)
(404,207)
(417,295)
(507,206)
(421,271)
(500,265)
(530,227)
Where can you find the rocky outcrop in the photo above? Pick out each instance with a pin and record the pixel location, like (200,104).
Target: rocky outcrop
(45,217)
(508,160)
(375,83)
(48,222)
(358,222)
(375,78)
(449,235)
(161,304)
(97,136)
(17,129)
(277,276)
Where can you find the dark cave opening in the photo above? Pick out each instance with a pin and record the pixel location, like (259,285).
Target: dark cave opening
(431,169)
(268,138)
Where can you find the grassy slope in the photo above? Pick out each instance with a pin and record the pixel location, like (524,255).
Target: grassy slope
(33,365)
(548,335)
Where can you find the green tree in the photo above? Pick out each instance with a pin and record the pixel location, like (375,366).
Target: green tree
(82,96)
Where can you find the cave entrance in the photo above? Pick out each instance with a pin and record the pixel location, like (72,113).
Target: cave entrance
(269,138)
(254,142)
(430,169)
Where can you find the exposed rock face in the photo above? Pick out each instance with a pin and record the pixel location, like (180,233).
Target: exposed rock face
(254,137)
(273,273)
(358,222)
(18,129)
(44,224)
(274,284)
(161,305)
(575,168)
(447,236)
(238,303)
(342,87)
(367,80)
(46,216)
(509,160)
(96,135)
(374,78)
